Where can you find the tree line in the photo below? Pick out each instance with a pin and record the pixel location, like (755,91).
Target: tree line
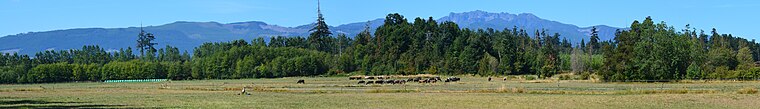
(646,51)
(656,51)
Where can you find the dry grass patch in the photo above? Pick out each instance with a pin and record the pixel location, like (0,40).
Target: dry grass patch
(591,92)
(203,89)
(391,91)
(502,89)
(538,81)
(670,91)
(266,89)
(747,90)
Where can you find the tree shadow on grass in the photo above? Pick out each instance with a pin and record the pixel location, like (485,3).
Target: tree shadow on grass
(55,105)
(14,102)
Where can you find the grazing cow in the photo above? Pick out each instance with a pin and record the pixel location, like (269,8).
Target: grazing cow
(400,81)
(361,82)
(379,82)
(417,78)
(489,78)
(370,82)
(452,79)
(301,82)
(355,78)
(505,78)
(410,79)
(390,81)
(429,80)
(370,77)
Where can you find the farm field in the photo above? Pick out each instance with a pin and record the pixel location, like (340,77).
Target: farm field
(340,92)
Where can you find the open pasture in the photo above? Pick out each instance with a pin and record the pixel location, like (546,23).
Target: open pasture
(340,92)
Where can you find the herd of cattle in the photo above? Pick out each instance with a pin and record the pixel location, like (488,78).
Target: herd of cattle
(389,80)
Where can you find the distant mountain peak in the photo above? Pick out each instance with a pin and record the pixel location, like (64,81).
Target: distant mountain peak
(479,15)
(251,22)
(187,34)
(479,19)
(528,15)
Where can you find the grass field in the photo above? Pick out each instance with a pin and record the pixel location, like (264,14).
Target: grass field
(339,92)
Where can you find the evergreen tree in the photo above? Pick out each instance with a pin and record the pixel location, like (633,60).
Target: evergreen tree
(145,42)
(319,36)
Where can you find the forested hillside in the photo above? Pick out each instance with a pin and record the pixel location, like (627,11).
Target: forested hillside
(648,51)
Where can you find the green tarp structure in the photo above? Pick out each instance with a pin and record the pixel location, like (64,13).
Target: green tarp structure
(135,80)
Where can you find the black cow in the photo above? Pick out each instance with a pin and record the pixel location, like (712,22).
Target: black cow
(379,82)
(361,82)
(301,82)
(355,78)
(390,81)
(429,80)
(452,79)
(417,78)
(489,78)
(370,82)
(400,81)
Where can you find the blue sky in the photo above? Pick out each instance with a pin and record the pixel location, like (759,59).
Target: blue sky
(738,17)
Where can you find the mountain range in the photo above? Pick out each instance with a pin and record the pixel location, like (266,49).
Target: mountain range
(187,35)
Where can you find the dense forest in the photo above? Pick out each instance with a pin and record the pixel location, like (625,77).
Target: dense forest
(646,51)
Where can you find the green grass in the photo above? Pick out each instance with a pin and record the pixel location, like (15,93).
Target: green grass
(339,92)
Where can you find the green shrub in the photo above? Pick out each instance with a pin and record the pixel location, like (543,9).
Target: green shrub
(529,77)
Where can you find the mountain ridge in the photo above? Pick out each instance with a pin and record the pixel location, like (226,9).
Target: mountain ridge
(187,35)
